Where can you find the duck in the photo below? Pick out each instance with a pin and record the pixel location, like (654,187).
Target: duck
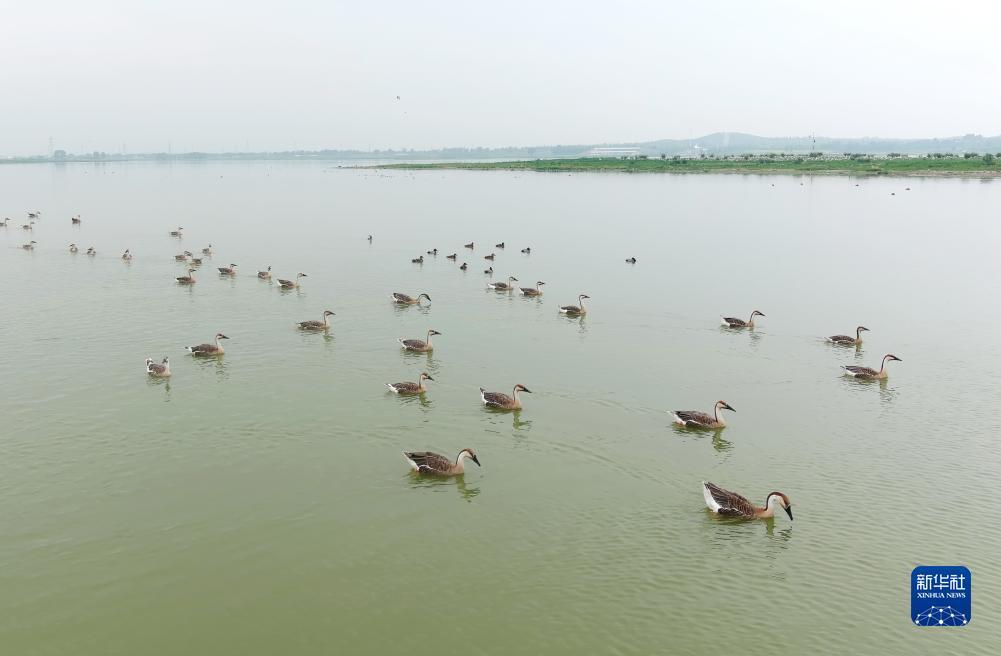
(127,256)
(207,250)
(868,372)
(418,344)
(848,340)
(91,251)
(463,266)
(188,279)
(469,245)
(265,275)
(75,220)
(74,249)
(731,504)
(288,284)
(489,271)
(182,257)
(489,257)
(575,309)
(176,233)
(731,322)
(527,250)
(30,246)
(503,401)
(452,256)
(426,462)
(318,325)
(631,260)
(533,291)
(161,370)
(696,419)
(227,271)
(409,387)
(418,260)
(208,349)
(403,299)
(500,245)
(502,286)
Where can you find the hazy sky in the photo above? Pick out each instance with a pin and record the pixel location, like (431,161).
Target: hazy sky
(279,75)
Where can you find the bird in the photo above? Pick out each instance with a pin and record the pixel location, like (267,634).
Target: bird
(182,257)
(433,252)
(127,256)
(696,419)
(426,462)
(265,275)
(37,214)
(503,401)
(409,387)
(75,220)
(207,250)
(631,260)
(227,271)
(208,349)
(188,279)
(469,245)
(176,233)
(418,344)
(418,260)
(403,299)
(848,340)
(526,250)
(489,257)
(74,249)
(868,372)
(500,245)
(29,226)
(533,291)
(30,246)
(288,284)
(3,224)
(731,504)
(489,271)
(158,370)
(575,309)
(731,322)
(502,286)
(196,261)
(317,325)
(452,256)
(370,238)
(463,266)
(91,251)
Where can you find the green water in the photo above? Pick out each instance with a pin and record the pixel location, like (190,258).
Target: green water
(259,503)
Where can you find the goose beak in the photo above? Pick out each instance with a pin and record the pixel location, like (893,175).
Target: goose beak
(525,389)
(429,377)
(788,510)
(477,461)
(729,407)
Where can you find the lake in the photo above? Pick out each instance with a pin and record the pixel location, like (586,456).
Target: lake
(259,503)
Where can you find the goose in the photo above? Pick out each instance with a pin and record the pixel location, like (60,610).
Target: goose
(91,251)
(4,222)
(207,250)
(503,401)
(463,267)
(75,220)
(158,370)
(631,260)
(503,286)
(370,238)
(288,284)
(182,257)
(74,249)
(469,245)
(452,256)
(403,299)
(127,256)
(526,250)
(848,340)
(208,349)
(731,504)
(696,419)
(29,226)
(227,271)
(533,291)
(433,252)
(265,275)
(409,387)
(489,271)
(418,260)
(30,246)
(37,214)
(196,261)
(418,344)
(317,325)
(426,462)
(188,279)
(489,257)
(176,233)
(500,245)
(575,309)
(867,372)
(731,322)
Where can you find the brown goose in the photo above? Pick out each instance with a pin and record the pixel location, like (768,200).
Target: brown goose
(696,419)
(403,299)
(37,214)
(731,504)
(469,245)
(452,256)
(489,257)
(489,271)
(75,220)
(409,387)
(503,286)
(527,250)
(74,248)
(288,284)
(848,340)
(127,255)
(196,261)
(318,325)
(503,401)
(91,251)
(264,275)
(207,250)
(418,344)
(208,349)
(731,322)
(418,260)
(868,372)
(3,224)
(426,462)
(500,245)
(176,233)
(433,251)
(29,226)
(463,267)
(158,370)
(188,279)
(30,246)
(533,291)
(227,271)
(575,310)
(182,257)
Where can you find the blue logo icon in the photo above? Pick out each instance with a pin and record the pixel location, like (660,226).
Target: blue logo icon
(941,596)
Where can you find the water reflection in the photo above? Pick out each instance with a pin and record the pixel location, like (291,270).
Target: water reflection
(400,308)
(719,444)
(160,382)
(436,483)
(215,363)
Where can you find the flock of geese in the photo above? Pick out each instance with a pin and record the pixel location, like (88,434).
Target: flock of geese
(717,499)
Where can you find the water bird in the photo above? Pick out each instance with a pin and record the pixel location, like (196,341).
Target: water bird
(469,245)
(404,299)
(731,322)
(489,271)
(631,260)
(503,401)
(37,214)
(500,245)
(74,248)
(489,257)
(731,504)
(30,246)
(318,325)
(207,250)
(227,271)
(4,222)
(91,251)
(575,309)
(426,462)
(848,340)
(418,260)
(502,286)
(127,255)
(696,419)
(209,349)
(452,256)
(183,257)
(288,284)
(188,279)
(161,370)
(868,372)
(463,267)
(433,252)
(410,387)
(75,220)
(176,233)
(370,238)
(418,344)
(265,275)
(526,250)
(29,226)
(533,291)
(196,261)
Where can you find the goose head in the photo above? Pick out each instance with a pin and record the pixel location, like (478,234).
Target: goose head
(469,453)
(583,296)
(149,361)
(301,275)
(860,329)
(723,405)
(328,313)
(433,332)
(539,283)
(521,388)
(220,336)
(190,271)
(424,296)
(890,356)
(757,313)
(426,376)
(781,500)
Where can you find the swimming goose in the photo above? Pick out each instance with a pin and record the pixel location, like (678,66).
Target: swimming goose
(503,286)
(37,214)
(731,504)
(418,260)
(426,462)
(4,222)
(463,267)
(848,340)
(489,257)
(575,309)
(370,238)
(29,226)
(500,245)
(188,279)
(207,250)
(208,349)
(489,271)
(452,256)
(91,251)
(317,325)
(469,245)
(433,252)
(74,249)
(503,401)
(418,344)
(696,419)
(264,275)
(526,250)
(868,372)
(30,246)
(731,322)
(288,284)
(409,387)
(536,291)
(227,271)
(127,256)
(158,370)
(176,233)
(403,299)
(196,261)
(631,260)
(182,257)
(75,220)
